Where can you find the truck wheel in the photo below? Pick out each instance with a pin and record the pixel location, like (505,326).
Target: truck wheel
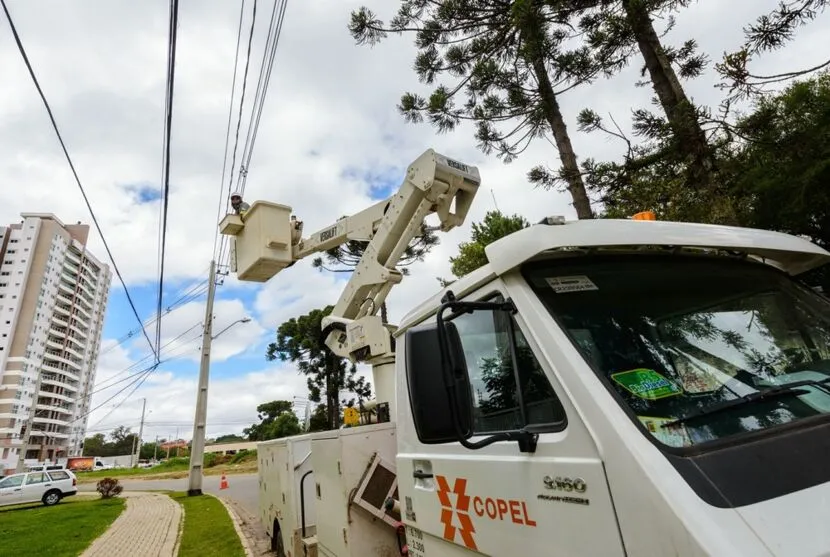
(52,497)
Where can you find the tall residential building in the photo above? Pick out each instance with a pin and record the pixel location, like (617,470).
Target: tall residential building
(53,295)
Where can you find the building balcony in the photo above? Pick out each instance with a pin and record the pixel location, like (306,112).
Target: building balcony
(74,258)
(60,408)
(58,321)
(52,421)
(57,396)
(56,380)
(69,278)
(66,289)
(61,372)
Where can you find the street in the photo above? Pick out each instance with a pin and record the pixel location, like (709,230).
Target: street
(242,488)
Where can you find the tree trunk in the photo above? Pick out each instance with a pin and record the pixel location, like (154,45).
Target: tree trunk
(533,34)
(681,115)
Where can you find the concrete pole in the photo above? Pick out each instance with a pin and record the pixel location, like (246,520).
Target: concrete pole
(140,432)
(197,445)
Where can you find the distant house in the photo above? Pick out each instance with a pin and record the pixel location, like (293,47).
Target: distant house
(231,448)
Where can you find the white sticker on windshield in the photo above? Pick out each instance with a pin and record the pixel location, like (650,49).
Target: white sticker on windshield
(577,283)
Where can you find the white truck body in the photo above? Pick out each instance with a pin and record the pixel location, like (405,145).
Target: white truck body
(599,388)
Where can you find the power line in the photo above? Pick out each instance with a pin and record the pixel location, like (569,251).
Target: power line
(139,362)
(191,294)
(239,117)
(268,57)
(230,118)
(72,167)
(171,75)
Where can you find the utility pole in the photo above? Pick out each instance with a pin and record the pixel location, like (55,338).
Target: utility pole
(156,450)
(140,432)
(197,445)
(137,442)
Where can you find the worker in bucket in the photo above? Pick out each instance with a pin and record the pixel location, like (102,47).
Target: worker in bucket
(239,206)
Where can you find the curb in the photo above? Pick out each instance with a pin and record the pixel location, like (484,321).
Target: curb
(243,539)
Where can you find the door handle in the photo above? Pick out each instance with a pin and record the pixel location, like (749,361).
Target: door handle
(48,485)
(421,475)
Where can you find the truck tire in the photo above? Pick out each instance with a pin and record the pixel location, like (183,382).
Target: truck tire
(51,497)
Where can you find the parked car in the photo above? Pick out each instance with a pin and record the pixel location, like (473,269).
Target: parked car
(48,487)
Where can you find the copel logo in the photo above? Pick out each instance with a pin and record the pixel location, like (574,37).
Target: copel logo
(490,507)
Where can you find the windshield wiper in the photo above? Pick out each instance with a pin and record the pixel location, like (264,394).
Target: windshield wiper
(789,389)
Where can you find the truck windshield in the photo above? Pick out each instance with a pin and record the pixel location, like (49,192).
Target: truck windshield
(687,343)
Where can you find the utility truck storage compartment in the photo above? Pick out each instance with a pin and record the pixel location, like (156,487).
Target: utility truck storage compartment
(354,474)
(282,465)
(262,245)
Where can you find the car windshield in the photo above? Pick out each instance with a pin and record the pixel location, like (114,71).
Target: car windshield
(686,343)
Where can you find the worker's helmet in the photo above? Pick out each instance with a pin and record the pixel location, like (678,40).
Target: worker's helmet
(236,194)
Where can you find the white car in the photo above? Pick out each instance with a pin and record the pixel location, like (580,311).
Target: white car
(48,487)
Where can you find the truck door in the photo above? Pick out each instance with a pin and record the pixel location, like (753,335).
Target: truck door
(497,500)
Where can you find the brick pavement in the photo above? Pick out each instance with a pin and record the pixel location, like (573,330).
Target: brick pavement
(148,527)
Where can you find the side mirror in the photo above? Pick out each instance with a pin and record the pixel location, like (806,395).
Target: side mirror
(433,409)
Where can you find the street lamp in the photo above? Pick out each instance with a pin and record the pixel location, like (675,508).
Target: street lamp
(243,320)
(197,445)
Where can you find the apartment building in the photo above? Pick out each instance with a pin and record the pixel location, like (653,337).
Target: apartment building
(53,296)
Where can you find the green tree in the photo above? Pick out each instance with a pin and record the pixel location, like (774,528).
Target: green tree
(230,438)
(301,340)
(471,255)
(504,66)
(618,29)
(276,419)
(782,168)
(95,445)
(771,31)
(319,419)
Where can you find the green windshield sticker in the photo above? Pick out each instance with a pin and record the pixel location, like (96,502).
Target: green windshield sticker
(646,384)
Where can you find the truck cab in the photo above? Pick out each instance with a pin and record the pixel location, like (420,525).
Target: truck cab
(619,387)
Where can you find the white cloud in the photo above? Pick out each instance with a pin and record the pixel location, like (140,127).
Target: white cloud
(330,118)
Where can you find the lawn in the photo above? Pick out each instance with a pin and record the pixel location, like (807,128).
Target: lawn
(208,529)
(63,530)
(243,463)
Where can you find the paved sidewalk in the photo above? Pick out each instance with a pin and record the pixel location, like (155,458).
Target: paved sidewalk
(148,527)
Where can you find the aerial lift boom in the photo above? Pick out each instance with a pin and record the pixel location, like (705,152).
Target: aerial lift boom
(433,184)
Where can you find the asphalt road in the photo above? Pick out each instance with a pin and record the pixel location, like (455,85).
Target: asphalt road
(242,488)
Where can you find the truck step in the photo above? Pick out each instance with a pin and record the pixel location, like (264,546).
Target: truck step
(310,544)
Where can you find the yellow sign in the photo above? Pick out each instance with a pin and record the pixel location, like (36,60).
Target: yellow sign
(351,416)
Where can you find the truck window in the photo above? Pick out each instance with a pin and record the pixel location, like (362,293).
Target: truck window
(675,336)
(501,391)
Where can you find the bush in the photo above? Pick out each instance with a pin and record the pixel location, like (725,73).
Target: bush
(109,487)
(243,456)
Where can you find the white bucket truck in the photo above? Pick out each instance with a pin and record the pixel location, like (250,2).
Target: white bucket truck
(599,388)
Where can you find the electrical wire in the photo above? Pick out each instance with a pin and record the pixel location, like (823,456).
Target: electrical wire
(274,33)
(171,78)
(266,67)
(136,364)
(239,118)
(74,172)
(228,130)
(190,295)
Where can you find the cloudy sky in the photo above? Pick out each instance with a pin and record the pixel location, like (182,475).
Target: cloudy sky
(330,140)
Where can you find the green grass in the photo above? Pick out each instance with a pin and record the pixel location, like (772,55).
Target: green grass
(240,463)
(171,465)
(65,529)
(208,529)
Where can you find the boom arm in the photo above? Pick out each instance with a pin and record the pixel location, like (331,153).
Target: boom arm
(433,184)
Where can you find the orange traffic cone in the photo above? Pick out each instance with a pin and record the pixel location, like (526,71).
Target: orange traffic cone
(223,483)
